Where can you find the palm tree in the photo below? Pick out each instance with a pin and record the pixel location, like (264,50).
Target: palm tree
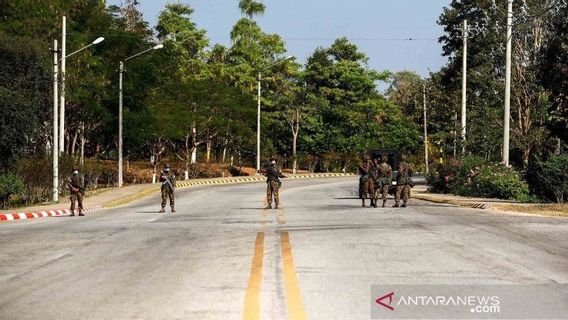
(251,8)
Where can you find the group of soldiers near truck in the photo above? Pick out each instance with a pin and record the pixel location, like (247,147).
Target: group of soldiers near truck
(376,179)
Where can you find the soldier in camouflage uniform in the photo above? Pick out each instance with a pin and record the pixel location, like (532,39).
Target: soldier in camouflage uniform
(364,168)
(76,186)
(384,179)
(403,182)
(273,184)
(168,188)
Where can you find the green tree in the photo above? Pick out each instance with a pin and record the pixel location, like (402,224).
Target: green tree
(405,91)
(553,72)
(251,8)
(351,116)
(25,87)
(486,73)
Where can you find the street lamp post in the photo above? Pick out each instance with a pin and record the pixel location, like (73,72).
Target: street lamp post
(464,86)
(506,118)
(63,72)
(54,147)
(258,112)
(64,57)
(120,72)
(58,123)
(425,129)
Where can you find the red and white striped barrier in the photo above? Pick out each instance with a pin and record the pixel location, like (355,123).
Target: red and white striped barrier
(46,213)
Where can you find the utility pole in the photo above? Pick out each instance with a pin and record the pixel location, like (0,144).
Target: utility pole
(62,99)
(506,120)
(120,72)
(54,147)
(464,86)
(425,129)
(258,128)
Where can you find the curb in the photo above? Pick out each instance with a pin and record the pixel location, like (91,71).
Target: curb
(46,213)
(216,181)
(474,205)
(146,192)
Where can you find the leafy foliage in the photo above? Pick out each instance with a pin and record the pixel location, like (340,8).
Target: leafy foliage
(473,177)
(10,184)
(550,178)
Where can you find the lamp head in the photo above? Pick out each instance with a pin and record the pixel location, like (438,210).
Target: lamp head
(98,40)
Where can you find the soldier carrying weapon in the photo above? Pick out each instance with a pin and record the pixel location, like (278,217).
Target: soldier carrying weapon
(403,182)
(76,185)
(384,179)
(168,188)
(273,175)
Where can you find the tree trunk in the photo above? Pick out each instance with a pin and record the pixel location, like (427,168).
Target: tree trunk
(294,155)
(187,153)
(194,142)
(208,154)
(225,143)
(75,136)
(82,159)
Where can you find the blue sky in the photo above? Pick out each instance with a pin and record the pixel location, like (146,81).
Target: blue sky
(306,24)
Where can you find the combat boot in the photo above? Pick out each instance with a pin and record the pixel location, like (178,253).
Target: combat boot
(72,214)
(395,205)
(404,205)
(81,214)
(384,203)
(268,207)
(173,209)
(276,206)
(162,210)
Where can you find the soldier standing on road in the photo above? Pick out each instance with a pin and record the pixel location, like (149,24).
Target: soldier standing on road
(403,182)
(168,188)
(273,175)
(384,171)
(364,169)
(76,185)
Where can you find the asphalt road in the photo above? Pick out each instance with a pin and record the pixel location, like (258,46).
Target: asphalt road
(222,256)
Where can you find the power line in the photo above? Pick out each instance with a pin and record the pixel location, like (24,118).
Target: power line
(350,39)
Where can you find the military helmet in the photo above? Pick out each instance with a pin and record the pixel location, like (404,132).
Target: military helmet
(402,157)
(384,158)
(366,157)
(167,166)
(75,168)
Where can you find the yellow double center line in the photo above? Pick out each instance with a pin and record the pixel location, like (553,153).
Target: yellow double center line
(296,309)
(252,298)
(293,295)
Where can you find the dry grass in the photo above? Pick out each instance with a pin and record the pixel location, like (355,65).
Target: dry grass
(553,210)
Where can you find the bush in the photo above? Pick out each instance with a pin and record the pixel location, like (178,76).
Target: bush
(471,177)
(549,178)
(495,181)
(10,184)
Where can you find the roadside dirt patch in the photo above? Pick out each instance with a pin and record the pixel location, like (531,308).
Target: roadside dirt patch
(553,210)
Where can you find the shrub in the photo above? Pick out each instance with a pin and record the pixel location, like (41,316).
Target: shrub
(550,178)
(471,177)
(497,181)
(441,179)
(10,184)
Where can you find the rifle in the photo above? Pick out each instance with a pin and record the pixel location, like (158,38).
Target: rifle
(167,181)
